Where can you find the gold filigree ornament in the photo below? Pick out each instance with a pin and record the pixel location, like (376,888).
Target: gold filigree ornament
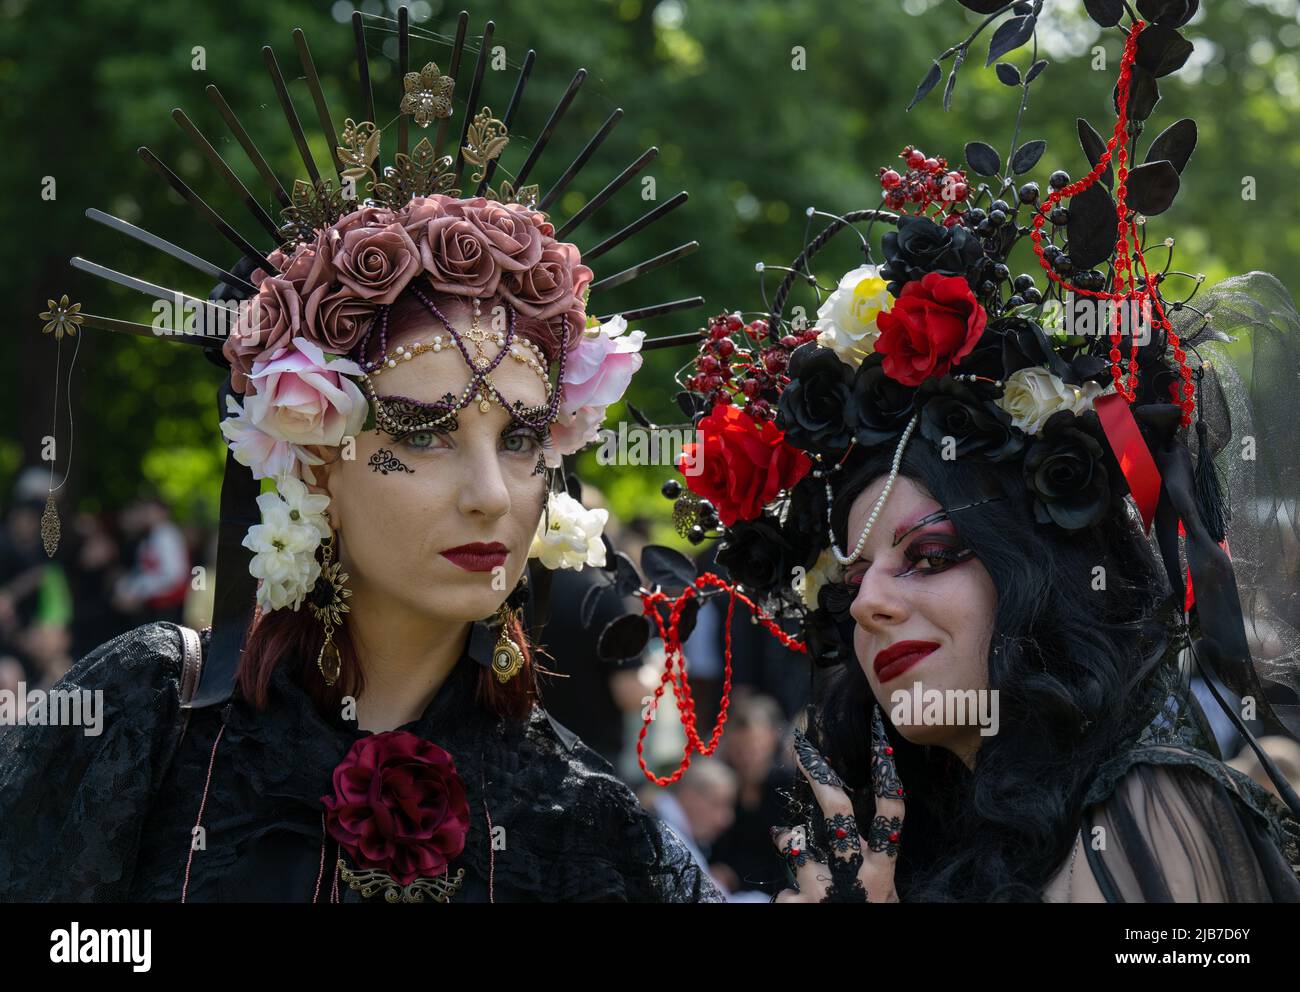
(368,881)
(427,94)
(50,527)
(359,148)
(315,207)
(507,658)
(417,174)
(327,601)
(487,139)
(61,318)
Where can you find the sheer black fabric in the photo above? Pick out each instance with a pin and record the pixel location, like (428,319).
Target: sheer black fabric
(100,818)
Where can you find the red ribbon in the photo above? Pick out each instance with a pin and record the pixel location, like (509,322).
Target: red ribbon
(1131,452)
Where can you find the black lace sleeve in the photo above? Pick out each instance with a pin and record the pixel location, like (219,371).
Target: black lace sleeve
(1175,825)
(73,797)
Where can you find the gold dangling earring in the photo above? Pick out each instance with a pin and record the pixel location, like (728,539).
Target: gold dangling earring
(328,602)
(507,658)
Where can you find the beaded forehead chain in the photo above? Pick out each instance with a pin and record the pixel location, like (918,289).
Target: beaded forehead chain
(399,414)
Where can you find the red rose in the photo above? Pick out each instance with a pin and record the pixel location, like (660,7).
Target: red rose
(398,806)
(934,323)
(740,464)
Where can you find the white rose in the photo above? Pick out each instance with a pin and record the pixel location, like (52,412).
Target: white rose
(568,535)
(846,322)
(1033,394)
(284,550)
(825,569)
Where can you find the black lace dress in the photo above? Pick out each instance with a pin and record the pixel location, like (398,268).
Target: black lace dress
(107,818)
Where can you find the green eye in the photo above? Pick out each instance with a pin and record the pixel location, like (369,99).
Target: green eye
(420,440)
(521,442)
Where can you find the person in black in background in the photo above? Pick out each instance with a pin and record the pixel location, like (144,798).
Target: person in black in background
(754,747)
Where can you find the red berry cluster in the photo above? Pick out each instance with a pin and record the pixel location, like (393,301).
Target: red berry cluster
(738,363)
(927,182)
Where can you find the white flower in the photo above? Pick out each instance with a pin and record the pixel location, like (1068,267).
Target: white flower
(284,545)
(568,535)
(825,569)
(1033,394)
(846,322)
(267,456)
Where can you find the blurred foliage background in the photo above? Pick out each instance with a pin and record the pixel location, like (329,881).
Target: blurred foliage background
(761,108)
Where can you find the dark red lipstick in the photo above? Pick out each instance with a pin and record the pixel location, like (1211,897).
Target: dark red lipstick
(478,557)
(896,659)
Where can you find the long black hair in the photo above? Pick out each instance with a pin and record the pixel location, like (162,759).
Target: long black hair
(1076,655)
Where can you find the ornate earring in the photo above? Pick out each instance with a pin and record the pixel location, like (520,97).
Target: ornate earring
(328,601)
(507,658)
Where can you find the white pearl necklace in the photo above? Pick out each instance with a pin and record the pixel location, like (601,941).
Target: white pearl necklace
(849,559)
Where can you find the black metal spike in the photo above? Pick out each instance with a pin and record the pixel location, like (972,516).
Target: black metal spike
(205,211)
(363,67)
(524,72)
(674,340)
(250,149)
(213,314)
(641,268)
(642,222)
(556,116)
(143,330)
(599,200)
(180,254)
(584,156)
(318,97)
(290,115)
(403,67)
(657,310)
(232,180)
(453,70)
(471,102)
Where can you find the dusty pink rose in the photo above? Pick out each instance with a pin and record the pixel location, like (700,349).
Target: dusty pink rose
(513,239)
(335,318)
(456,254)
(415,216)
(547,288)
(304,398)
(364,217)
(375,263)
(596,373)
(536,218)
(266,321)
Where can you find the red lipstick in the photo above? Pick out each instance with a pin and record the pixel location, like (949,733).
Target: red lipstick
(478,557)
(896,659)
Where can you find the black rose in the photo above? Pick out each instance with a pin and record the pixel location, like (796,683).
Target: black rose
(880,406)
(805,524)
(920,246)
(829,640)
(1170,13)
(1008,345)
(756,554)
(813,406)
(979,428)
(1065,470)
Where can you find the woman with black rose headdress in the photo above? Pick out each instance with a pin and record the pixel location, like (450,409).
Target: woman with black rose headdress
(954,495)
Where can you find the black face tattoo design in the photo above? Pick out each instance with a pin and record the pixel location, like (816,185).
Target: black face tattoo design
(385,461)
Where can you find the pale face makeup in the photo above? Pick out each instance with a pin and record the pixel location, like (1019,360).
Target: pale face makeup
(922,585)
(476,483)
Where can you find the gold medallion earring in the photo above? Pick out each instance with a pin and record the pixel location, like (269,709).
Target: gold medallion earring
(328,601)
(507,658)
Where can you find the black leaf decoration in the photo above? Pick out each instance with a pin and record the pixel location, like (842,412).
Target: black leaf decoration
(1174,144)
(1034,70)
(950,86)
(690,403)
(590,600)
(1008,73)
(639,417)
(627,580)
(983,6)
(1027,156)
(1175,13)
(982,159)
(1143,94)
(1152,187)
(927,84)
(1107,13)
(1091,227)
(667,568)
(625,637)
(1094,146)
(1161,50)
(1009,36)
(686,620)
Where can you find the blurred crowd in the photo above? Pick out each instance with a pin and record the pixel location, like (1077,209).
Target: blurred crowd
(111,572)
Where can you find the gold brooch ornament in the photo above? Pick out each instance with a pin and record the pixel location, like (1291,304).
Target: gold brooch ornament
(427,94)
(327,601)
(61,318)
(368,881)
(507,658)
